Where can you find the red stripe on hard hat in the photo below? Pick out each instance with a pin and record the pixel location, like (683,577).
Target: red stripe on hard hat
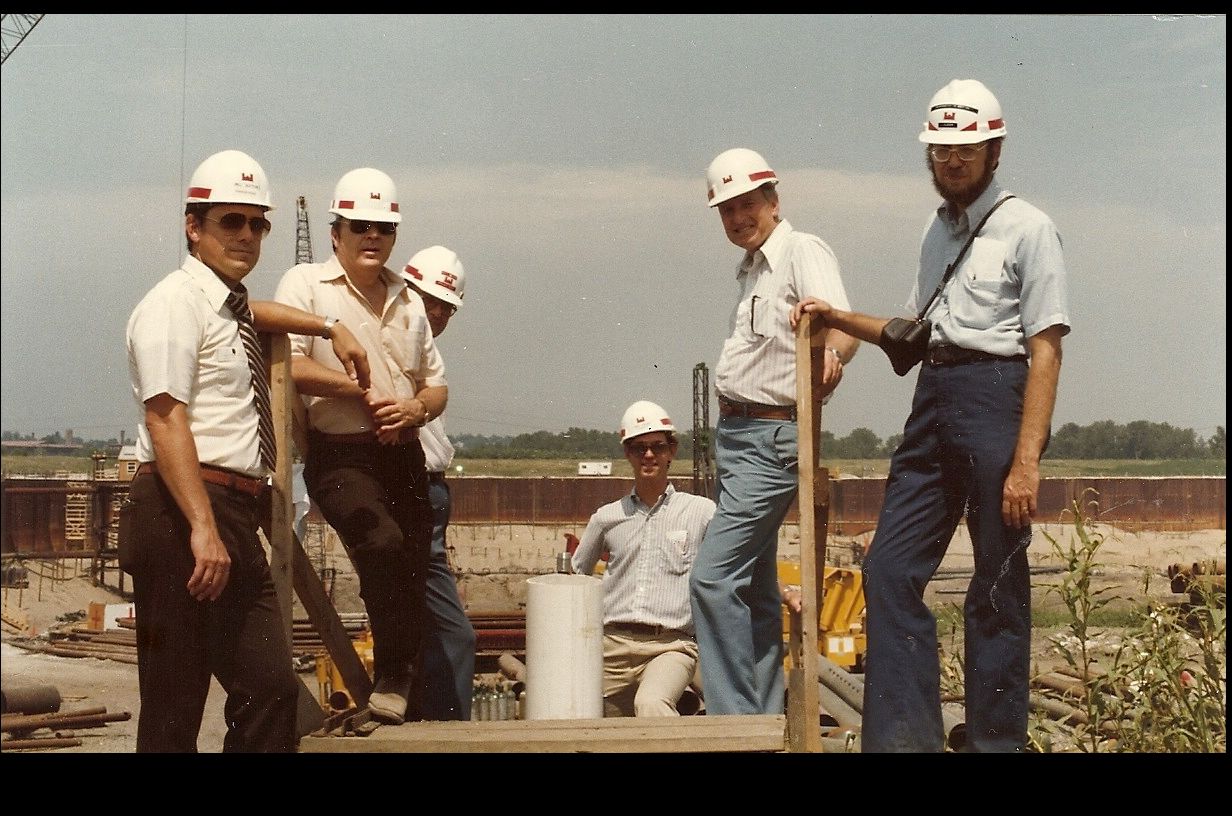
(764,174)
(393,207)
(346,205)
(993,124)
(413,272)
(972,126)
(199,192)
(666,420)
(709,194)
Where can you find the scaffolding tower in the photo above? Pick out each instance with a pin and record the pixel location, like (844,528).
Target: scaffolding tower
(703,463)
(303,240)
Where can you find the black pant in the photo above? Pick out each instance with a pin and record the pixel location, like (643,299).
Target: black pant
(376,498)
(239,638)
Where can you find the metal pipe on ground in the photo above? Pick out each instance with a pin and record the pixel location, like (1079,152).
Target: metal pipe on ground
(29,700)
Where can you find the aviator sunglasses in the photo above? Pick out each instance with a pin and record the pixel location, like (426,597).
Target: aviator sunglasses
(362,227)
(639,449)
(234,222)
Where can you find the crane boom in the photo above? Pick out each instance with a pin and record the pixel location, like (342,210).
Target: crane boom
(13,29)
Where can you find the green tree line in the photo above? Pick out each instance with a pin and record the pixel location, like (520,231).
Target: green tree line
(1099,440)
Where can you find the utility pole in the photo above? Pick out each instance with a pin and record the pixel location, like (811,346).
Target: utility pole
(303,241)
(703,464)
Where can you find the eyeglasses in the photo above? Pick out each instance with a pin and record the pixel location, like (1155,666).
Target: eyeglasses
(435,304)
(383,227)
(942,153)
(234,222)
(639,449)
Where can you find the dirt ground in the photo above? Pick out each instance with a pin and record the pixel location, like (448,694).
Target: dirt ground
(65,589)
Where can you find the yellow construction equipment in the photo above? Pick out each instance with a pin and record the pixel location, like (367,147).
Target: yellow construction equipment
(840,634)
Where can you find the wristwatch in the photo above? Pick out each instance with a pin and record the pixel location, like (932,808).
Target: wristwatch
(328,331)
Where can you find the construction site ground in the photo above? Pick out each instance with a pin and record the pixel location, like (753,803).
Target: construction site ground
(61,592)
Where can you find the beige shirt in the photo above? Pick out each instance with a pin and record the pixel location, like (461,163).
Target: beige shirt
(401,352)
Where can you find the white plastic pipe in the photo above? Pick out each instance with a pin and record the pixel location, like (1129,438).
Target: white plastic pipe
(564,647)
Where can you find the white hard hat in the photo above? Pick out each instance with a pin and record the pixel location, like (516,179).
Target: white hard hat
(963,112)
(229,177)
(438,272)
(366,194)
(643,417)
(735,172)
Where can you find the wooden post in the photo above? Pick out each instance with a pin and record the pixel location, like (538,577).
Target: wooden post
(282,504)
(803,680)
(291,568)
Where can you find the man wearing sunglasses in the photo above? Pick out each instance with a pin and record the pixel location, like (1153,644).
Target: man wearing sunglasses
(980,421)
(445,672)
(651,538)
(364,467)
(737,604)
(205,602)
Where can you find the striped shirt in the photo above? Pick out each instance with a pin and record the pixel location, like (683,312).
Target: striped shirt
(652,550)
(758,361)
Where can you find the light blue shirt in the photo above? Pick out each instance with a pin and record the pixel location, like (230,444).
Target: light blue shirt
(1010,286)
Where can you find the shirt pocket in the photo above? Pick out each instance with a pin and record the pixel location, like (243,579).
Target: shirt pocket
(227,369)
(764,307)
(678,551)
(980,294)
(405,345)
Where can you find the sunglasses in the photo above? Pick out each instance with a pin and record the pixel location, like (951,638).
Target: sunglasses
(234,222)
(362,227)
(639,449)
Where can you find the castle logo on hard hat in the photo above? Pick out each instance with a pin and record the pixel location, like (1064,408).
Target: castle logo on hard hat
(245,176)
(377,196)
(948,115)
(448,281)
(727,179)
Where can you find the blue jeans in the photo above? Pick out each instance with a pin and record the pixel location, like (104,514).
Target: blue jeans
(957,448)
(734,589)
(446,674)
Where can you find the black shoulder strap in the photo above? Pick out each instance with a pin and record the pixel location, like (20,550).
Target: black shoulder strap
(949,270)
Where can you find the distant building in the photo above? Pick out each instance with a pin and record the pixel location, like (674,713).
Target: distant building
(126,463)
(594,469)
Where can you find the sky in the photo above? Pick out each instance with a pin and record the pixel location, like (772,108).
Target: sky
(563,158)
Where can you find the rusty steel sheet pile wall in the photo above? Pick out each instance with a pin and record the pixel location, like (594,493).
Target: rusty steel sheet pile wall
(34,517)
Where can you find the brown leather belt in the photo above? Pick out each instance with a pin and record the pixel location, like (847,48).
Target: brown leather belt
(643,629)
(366,437)
(949,355)
(755,410)
(249,485)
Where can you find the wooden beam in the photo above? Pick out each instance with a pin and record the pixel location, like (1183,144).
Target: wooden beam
(291,568)
(282,505)
(729,733)
(803,689)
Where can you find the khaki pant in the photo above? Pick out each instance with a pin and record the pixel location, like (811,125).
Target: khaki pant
(644,675)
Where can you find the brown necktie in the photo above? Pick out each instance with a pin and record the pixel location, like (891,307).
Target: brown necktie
(237,301)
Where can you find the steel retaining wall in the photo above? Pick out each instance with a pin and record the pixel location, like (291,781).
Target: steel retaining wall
(34,523)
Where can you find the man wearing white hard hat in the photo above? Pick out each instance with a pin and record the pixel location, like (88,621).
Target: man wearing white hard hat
(204,599)
(651,538)
(735,590)
(445,672)
(365,466)
(991,298)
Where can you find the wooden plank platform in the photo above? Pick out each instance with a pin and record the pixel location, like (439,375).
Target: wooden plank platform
(746,733)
